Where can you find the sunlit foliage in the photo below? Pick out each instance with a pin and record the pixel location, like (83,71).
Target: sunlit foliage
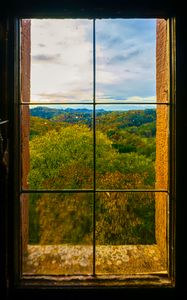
(61,157)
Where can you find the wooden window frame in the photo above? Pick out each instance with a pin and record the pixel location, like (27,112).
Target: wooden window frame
(165,109)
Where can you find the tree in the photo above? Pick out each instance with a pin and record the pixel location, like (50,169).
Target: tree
(124,217)
(63,159)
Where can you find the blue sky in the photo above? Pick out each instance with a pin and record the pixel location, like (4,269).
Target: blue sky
(62,60)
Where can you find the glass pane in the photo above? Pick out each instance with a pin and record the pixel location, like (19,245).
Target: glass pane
(57,147)
(127,231)
(126,60)
(61,60)
(126,138)
(125,218)
(58,239)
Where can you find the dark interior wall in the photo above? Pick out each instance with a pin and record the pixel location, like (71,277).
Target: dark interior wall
(100,8)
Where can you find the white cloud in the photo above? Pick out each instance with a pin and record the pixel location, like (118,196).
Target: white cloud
(141,99)
(126,58)
(62,59)
(64,64)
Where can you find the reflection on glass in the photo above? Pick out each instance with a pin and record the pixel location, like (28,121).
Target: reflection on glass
(126,60)
(61,60)
(57,149)
(60,233)
(125,147)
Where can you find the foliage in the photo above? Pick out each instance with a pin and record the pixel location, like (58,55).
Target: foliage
(40,126)
(65,218)
(125,218)
(62,157)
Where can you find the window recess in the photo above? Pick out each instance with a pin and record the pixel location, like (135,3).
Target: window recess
(96,156)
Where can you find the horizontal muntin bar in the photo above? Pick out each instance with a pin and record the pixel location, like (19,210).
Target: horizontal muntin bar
(56,103)
(95,191)
(94,103)
(56,191)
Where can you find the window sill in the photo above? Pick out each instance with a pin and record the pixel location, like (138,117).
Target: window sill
(115,265)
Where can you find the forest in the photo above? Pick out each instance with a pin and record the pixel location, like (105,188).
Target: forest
(63,157)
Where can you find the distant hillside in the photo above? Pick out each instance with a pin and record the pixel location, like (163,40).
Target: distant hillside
(114,123)
(124,119)
(51,113)
(68,115)
(129,118)
(45,112)
(105,120)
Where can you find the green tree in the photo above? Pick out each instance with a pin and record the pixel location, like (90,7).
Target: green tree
(63,159)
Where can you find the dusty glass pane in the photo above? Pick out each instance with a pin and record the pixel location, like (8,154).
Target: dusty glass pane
(125,218)
(127,136)
(126,60)
(59,235)
(61,55)
(57,147)
(127,230)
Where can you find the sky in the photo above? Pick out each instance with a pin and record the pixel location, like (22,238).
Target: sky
(62,60)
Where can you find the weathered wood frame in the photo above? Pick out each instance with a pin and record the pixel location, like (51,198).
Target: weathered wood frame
(164,158)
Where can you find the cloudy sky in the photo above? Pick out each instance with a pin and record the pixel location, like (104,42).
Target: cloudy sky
(62,60)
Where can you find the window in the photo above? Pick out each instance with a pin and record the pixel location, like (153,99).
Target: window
(95,148)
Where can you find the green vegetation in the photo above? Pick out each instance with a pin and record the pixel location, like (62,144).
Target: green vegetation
(61,157)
